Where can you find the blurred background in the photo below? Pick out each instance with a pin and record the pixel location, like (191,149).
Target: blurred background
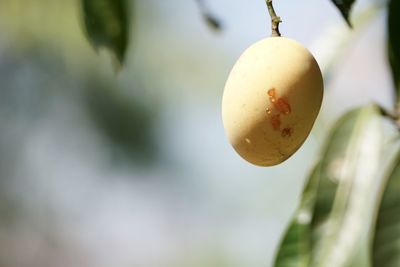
(132,168)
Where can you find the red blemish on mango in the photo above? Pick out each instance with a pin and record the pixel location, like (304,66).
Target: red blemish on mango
(287,132)
(272,95)
(271,92)
(276,122)
(283,106)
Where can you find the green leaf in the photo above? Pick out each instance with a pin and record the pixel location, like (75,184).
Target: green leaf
(296,245)
(386,242)
(352,147)
(106,23)
(348,174)
(332,158)
(344,7)
(394,42)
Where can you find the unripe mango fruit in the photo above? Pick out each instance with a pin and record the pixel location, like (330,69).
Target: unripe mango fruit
(271,100)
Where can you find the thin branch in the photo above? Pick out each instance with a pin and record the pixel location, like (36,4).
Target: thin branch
(275,20)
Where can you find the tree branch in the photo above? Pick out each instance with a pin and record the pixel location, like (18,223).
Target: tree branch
(275,20)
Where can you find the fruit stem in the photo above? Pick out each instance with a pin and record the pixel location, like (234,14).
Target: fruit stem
(275,20)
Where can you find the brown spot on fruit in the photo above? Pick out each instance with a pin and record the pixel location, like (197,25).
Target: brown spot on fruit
(272,95)
(283,106)
(276,122)
(271,92)
(287,132)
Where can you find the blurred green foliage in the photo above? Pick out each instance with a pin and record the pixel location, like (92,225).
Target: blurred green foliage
(344,7)
(107,25)
(127,123)
(347,175)
(386,241)
(298,233)
(394,41)
(211,20)
(313,238)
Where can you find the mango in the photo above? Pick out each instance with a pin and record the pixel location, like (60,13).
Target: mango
(271,100)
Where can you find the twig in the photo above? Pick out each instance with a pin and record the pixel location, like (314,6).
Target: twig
(275,20)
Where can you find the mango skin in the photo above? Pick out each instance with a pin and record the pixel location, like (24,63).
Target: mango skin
(271,100)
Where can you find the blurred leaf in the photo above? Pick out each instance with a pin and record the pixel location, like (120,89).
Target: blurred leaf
(295,247)
(386,242)
(211,20)
(331,199)
(394,41)
(332,158)
(344,7)
(126,123)
(107,25)
(348,172)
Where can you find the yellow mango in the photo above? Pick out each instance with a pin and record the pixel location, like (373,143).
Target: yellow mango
(271,100)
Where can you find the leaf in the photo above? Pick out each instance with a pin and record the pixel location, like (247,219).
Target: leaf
(210,19)
(106,23)
(386,242)
(332,158)
(353,139)
(296,245)
(212,22)
(347,182)
(125,123)
(394,42)
(344,7)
